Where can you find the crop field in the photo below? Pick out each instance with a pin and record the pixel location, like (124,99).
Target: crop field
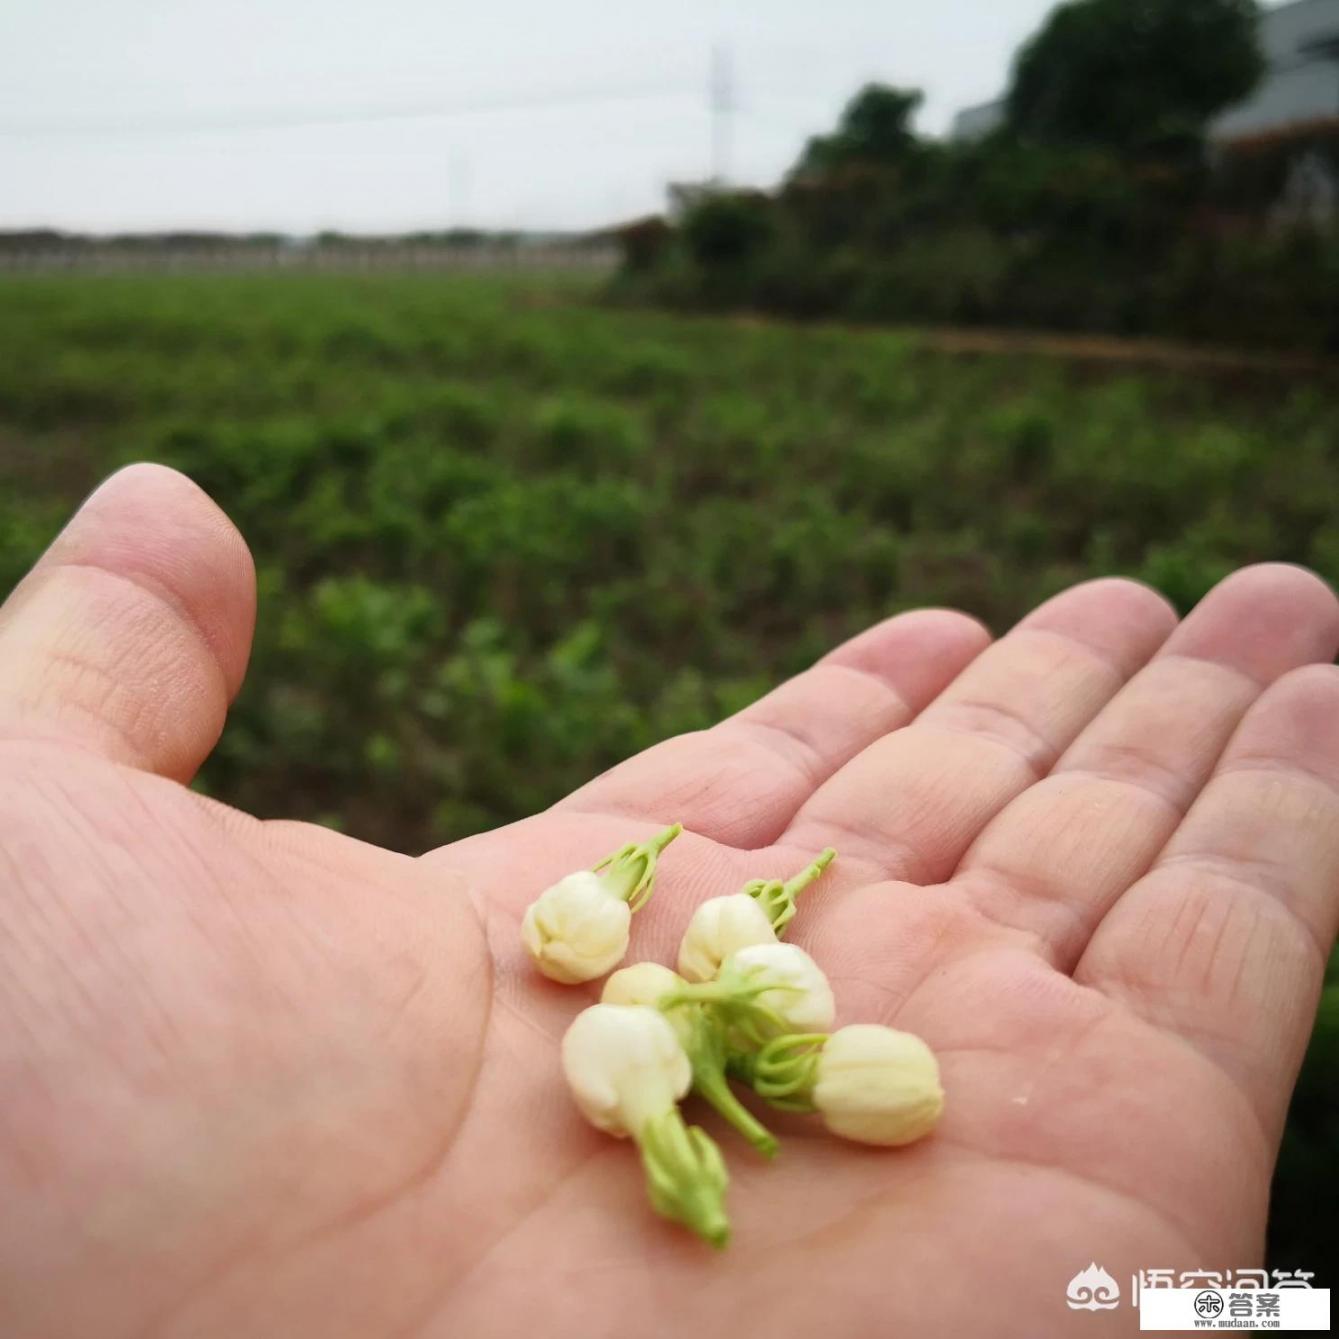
(507,535)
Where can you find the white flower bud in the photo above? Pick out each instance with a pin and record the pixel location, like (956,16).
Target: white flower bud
(642,983)
(624,1065)
(577,930)
(720,927)
(802,995)
(878,1086)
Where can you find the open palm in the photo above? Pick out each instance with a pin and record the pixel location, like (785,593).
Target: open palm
(261,1079)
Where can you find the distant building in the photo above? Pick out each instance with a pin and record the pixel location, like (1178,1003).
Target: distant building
(1301,82)
(1301,44)
(977,122)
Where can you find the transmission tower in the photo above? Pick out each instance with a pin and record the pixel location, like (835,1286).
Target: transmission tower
(722,103)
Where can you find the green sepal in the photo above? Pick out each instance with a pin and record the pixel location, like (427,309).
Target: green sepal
(685,1176)
(783,1071)
(631,871)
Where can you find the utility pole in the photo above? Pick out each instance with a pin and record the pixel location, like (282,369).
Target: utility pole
(458,189)
(721,92)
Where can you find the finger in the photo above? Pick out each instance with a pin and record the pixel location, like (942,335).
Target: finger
(1224,941)
(1059,855)
(131,635)
(911,803)
(741,781)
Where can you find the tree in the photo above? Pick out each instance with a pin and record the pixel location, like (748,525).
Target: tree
(1136,76)
(727,229)
(874,130)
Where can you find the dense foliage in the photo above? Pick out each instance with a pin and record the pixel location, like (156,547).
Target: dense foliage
(875,130)
(1097,205)
(506,537)
(1135,75)
(1016,234)
(1013,236)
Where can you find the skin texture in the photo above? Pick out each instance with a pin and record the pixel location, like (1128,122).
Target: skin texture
(262,1079)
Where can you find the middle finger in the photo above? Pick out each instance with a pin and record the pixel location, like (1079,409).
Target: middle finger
(908,806)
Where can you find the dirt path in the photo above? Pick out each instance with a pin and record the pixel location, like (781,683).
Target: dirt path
(1109,349)
(1155,353)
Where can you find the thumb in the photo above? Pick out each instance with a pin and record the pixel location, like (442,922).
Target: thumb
(130,636)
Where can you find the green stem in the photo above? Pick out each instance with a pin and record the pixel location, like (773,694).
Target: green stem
(778,899)
(733,1005)
(661,840)
(703,1036)
(714,1089)
(811,872)
(706,1048)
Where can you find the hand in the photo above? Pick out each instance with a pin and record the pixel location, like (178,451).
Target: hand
(262,1079)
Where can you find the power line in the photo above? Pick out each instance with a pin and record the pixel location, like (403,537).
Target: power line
(290,120)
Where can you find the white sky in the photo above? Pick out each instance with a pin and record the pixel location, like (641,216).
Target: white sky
(161,113)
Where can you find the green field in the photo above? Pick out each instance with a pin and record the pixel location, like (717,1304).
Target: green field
(506,536)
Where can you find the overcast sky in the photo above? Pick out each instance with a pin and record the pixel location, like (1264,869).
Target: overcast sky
(304,114)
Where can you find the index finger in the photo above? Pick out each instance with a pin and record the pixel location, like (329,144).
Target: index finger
(741,782)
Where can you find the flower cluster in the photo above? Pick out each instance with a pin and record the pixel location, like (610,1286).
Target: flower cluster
(743,1006)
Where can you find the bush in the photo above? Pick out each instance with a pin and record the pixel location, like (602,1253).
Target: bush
(726,230)
(643,244)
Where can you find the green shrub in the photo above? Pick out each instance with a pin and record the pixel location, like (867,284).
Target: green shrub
(726,230)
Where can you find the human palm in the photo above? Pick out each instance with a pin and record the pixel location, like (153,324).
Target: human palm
(262,1079)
